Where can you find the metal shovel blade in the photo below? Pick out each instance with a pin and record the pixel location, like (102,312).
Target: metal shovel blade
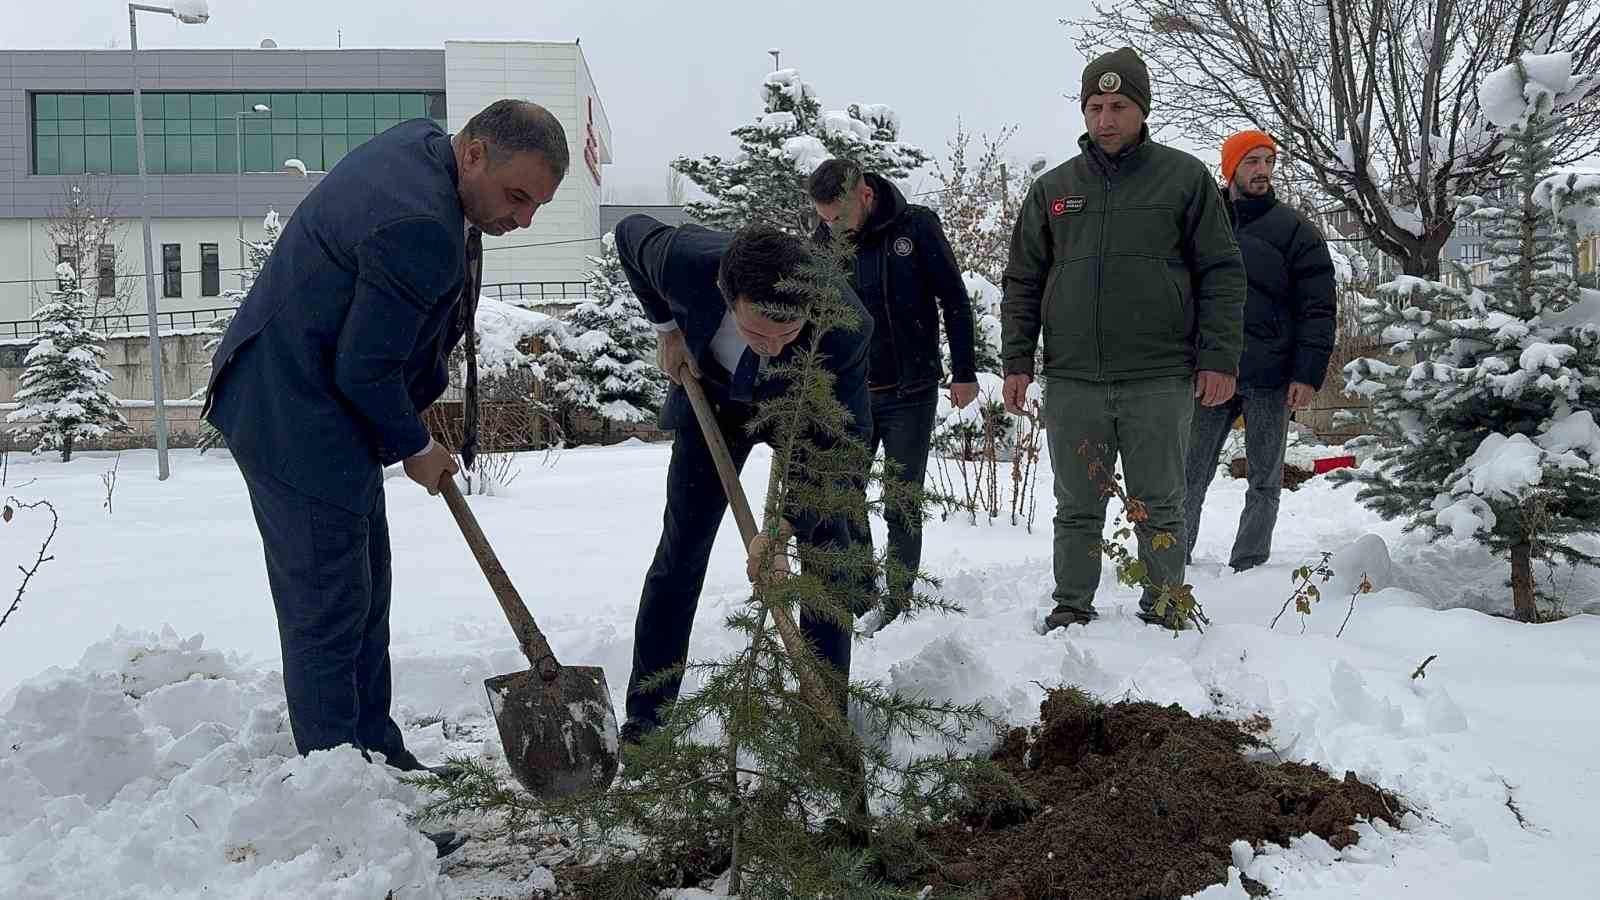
(560,736)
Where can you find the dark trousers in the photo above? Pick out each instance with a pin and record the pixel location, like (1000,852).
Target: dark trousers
(1266,434)
(330,578)
(903,426)
(695,507)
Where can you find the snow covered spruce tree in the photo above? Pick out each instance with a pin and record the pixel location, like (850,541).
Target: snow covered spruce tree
(755,776)
(608,353)
(63,384)
(765,180)
(257,253)
(1490,433)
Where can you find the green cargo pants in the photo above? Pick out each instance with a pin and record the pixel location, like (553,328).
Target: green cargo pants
(1145,421)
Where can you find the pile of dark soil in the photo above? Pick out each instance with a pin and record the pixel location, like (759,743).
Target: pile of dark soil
(1134,801)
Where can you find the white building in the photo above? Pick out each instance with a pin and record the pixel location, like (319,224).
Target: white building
(66,119)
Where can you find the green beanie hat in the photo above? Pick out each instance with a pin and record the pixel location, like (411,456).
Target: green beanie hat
(1118,72)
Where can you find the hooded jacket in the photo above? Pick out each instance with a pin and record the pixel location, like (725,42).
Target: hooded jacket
(906,275)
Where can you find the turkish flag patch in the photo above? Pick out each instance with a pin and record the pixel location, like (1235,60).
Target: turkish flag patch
(1063,205)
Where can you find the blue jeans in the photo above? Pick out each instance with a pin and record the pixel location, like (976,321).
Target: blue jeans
(1266,433)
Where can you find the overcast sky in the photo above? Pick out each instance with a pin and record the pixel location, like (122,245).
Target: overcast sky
(676,77)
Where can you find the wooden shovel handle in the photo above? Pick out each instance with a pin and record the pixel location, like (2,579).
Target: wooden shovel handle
(721,456)
(529,637)
(788,631)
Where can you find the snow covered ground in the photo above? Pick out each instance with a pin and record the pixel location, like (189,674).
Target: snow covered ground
(138,759)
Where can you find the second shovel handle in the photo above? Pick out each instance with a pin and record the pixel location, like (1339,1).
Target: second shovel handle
(721,456)
(529,637)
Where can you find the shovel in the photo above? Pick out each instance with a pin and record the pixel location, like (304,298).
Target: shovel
(789,634)
(794,642)
(556,722)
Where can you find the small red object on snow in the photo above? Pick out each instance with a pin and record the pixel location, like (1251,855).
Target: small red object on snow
(1329,463)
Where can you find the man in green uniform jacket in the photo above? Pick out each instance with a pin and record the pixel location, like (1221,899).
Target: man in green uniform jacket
(1124,260)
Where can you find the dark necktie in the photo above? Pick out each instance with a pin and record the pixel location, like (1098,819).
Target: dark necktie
(743,388)
(469,330)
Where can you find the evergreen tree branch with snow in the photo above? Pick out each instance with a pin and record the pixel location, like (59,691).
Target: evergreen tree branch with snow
(604,357)
(786,813)
(765,181)
(63,384)
(257,253)
(1489,435)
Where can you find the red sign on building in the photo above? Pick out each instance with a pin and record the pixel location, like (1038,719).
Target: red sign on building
(591,145)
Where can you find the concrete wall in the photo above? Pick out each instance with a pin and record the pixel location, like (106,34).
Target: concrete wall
(185,365)
(555,76)
(185,368)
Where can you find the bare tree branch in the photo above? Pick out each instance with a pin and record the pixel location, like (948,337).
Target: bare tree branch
(1373,101)
(12,505)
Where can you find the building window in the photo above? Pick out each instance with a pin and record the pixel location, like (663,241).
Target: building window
(171,270)
(106,268)
(66,253)
(193,133)
(210,272)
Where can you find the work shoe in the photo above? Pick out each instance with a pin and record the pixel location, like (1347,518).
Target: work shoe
(445,772)
(446,842)
(634,731)
(1169,621)
(1061,618)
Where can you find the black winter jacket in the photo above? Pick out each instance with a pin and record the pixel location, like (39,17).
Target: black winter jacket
(1290,314)
(903,262)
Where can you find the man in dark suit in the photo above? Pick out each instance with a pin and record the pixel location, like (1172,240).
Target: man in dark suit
(705,291)
(323,374)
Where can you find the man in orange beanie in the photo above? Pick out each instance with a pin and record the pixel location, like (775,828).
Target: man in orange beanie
(1288,337)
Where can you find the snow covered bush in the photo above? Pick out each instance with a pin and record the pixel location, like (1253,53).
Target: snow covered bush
(63,385)
(605,352)
(985,324)
(515,367)
(969,446)
(1490,434)
(765,180)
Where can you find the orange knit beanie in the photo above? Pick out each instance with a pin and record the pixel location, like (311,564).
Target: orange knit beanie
(1235,148)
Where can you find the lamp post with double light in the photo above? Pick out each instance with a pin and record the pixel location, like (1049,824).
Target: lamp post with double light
(189,12)
(238,172)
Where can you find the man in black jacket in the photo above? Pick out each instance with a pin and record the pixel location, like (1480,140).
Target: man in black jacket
(1288,326)
(905,274)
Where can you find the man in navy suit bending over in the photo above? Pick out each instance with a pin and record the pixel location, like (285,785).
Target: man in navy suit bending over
(324,372)
(705,291)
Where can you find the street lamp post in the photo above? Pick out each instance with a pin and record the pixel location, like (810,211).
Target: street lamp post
(238,172)
(190,12)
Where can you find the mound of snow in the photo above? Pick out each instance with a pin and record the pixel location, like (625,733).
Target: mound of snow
(806,152)
(170,769)
(1368,556)
(501,330)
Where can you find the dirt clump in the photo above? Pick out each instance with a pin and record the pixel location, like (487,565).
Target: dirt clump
(1134,801)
